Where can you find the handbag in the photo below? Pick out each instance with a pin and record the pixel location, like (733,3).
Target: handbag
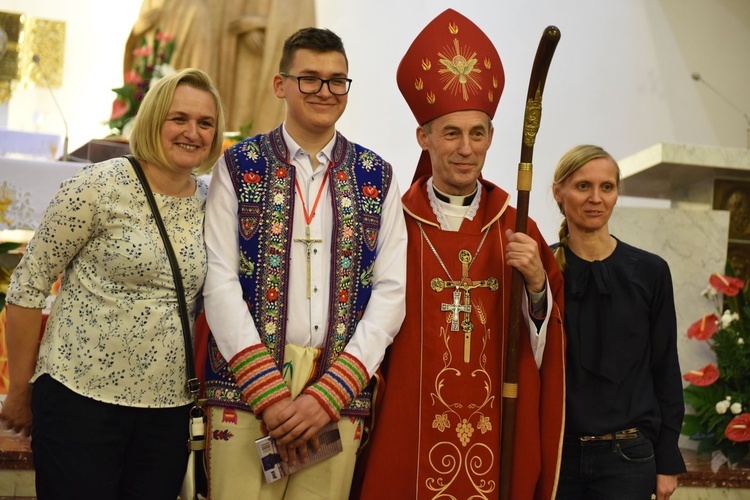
(197,422)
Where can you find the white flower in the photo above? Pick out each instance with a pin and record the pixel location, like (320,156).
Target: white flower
(736,409)
(722,407)
(710,292)
(127,129)
(160,71)
(740,341)
(728,318)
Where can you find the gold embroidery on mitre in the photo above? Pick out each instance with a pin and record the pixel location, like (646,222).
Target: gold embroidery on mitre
(490,96)
(426,64)
(487,63)
(430,98)
(453,28)
(495,83)
(460,72)
(418,84)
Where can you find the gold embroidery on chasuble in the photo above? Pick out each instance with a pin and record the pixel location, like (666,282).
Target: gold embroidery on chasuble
(462,401)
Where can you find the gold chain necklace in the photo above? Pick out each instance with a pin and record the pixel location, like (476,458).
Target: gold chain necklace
(462,255)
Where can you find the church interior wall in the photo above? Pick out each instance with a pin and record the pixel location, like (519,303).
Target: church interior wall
(620,76)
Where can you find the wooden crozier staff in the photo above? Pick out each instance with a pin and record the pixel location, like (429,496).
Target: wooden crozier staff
(532,117)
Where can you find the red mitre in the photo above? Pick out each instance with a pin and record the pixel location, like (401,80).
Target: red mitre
(451,66)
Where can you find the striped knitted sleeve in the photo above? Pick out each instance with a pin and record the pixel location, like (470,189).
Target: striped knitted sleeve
(339,385)
(258,378)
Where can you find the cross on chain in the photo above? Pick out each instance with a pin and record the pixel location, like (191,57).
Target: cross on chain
(466,284)
(456,308)
(308,243)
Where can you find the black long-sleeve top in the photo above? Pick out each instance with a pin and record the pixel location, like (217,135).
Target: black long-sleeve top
(622,365)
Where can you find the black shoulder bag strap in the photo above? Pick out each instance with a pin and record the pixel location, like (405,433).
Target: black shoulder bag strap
(193,384)
(197,441)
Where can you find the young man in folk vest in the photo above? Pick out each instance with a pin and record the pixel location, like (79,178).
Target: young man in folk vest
(305,288)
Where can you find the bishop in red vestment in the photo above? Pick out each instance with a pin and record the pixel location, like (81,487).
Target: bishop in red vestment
(437,426)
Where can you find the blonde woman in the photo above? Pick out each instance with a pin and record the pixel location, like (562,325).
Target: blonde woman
(624,404)
(109,401)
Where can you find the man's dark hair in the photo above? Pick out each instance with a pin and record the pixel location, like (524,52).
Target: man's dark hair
(315,39)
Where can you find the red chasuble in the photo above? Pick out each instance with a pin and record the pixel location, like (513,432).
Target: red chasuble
(437,429)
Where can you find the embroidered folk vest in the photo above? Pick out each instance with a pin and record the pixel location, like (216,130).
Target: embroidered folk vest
(264,184)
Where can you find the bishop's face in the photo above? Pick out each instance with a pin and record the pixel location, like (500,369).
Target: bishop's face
(457,143)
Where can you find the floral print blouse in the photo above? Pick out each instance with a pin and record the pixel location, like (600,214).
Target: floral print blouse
(114,331)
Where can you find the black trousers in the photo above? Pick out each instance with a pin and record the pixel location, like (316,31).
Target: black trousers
(85,449)
(612,470)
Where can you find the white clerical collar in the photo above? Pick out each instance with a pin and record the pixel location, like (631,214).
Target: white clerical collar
(441,208)
(461,200)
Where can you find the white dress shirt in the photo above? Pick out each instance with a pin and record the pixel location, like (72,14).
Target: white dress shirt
(227,314)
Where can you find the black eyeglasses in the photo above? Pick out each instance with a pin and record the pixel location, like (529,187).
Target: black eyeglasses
(313,84)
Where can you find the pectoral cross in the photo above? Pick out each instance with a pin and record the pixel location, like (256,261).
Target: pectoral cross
(456,308)
(308,243)
(466,284)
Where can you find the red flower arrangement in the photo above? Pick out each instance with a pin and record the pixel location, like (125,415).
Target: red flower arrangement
(738,430)
(719,394)
(727,285)
(151,63)
(703,377)
(704,328)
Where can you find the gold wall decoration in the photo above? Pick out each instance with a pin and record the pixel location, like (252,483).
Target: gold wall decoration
(28,37)
(734,195)
(5,91)
(46,39)
(11,24)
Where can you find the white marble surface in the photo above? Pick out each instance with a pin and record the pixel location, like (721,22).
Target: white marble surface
(688,155)
(667,170)
(689,493)
(694,244)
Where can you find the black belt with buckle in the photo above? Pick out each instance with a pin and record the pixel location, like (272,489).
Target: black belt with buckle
(626,434)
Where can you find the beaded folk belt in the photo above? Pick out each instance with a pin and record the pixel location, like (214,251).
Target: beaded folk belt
(626,434)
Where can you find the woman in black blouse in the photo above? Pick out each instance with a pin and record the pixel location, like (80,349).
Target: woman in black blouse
(624,404)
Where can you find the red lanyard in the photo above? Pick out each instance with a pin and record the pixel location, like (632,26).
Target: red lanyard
(309,215)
